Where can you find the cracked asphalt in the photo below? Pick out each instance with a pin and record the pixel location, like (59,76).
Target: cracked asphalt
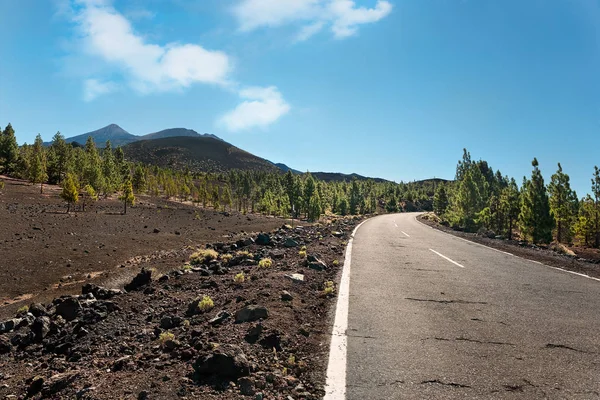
(486,326)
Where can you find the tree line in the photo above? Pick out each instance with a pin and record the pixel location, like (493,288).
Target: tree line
(87,172)
(480,198)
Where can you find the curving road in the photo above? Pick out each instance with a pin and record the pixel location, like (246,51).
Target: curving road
(432,316)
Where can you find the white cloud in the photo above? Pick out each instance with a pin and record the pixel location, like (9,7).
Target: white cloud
(93,88)
(261,107)
(348,17)
(343,16)
(309,31)
(148,67)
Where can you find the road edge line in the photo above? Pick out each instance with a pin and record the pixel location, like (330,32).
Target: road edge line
(335,384)
(511,254)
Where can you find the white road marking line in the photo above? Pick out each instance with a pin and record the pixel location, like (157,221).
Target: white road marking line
(446,258)
(406,234)
(514,255)
(335,386)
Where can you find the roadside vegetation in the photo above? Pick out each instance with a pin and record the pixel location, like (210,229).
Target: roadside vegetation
(484,201)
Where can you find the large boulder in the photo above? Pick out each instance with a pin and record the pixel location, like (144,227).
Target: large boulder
(289,242)
(227,362)
(263,239)
(251,313)
(40,327)
(141,279)
(68,307)
(9,325)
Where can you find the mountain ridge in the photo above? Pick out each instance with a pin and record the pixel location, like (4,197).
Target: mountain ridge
(120,137)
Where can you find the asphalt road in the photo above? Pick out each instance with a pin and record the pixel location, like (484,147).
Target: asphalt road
(479,324)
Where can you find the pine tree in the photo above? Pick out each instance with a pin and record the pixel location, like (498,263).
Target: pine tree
(563,204)
(584,227)
(535,221)
(467,201)
(596,194)
(127,196)
(89,195)
(314,207)
(510,206)
(37,169)
(309,190)
(69,193)
(58,158)
(92,172)
(355,197)
(440,200)
(139,180)
(109,169)
(9,150)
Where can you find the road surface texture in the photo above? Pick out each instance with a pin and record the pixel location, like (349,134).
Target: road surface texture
(432,316)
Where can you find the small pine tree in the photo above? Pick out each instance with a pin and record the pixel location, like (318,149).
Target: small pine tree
(127,196)
(440,200)
(563,204)
(69,193)
(89,195)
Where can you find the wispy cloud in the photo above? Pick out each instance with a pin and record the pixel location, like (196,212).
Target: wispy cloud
(110,37)
(93,88)
(107,37)
(261,107)
(343,16)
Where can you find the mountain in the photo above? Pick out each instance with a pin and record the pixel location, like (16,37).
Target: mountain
(339,177)
(329,176)
(198,153)
(120,137)
(174,132)
(285,168)
(113,132)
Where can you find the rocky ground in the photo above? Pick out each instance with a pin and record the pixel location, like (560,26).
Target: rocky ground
(45,252)
(244,319)
(577,259)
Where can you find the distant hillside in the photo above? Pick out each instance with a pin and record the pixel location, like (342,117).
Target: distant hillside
(202,153)
(174,132)
(113,132)
(339,177)
(285,168)
(120,137)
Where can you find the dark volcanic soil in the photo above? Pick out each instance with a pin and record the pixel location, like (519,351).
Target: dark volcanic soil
(585,261)
(265,338)
(42,247)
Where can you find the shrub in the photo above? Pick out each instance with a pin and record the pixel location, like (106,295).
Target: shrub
(329,289)
(203,256)
(303,248)
(302,253)
(244,254)
(265,263)
(23,310)
(239,278)
(226,257)
(164,337)
(187,267)
(1,184)
(336,262)
(206,304)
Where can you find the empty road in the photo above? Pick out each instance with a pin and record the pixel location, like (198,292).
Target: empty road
(432,316)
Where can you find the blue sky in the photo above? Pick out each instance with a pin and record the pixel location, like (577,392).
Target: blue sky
(393,89)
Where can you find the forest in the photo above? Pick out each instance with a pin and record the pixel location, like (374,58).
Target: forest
(87,172)
(481,200)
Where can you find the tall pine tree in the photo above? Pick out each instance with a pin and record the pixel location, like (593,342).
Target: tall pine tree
(535,220)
